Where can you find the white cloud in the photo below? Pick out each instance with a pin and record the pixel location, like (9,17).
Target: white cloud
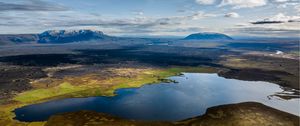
(189,20)
(279,25)
(237,3)
(280,1)
(297,8)
(205,2)
(287,4)
(31,5)
(286,1)
(278,19)
(243,3)
(138,13)
(283,18)
(200,14)
(232,15)
(139,24)
(278,30)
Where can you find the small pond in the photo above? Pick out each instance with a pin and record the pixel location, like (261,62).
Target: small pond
(190,97)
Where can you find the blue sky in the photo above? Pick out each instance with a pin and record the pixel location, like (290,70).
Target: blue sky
(153,17)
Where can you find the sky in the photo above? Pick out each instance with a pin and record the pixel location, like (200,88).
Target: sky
(270,18)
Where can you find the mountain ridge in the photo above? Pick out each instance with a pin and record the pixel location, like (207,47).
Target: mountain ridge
(208,36)
(68,36)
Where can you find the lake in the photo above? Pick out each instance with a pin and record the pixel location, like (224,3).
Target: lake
(190,97)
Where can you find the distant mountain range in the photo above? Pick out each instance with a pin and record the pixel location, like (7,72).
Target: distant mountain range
(54,37)
(18,39)
(69,36)
(208,36)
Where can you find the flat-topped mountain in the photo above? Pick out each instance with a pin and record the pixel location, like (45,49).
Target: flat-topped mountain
(67,36)
(208,36)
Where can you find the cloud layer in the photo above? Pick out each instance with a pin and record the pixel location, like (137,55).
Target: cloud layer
(279,18)
(31,5)
(176,17)
(232,15)
(235,3)
(207,2)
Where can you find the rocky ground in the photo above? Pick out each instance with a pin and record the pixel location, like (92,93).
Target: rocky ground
(243,114)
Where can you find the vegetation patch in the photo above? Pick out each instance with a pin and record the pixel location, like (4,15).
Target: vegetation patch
(40,94)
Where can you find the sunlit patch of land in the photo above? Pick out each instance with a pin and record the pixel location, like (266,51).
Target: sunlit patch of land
(284,71)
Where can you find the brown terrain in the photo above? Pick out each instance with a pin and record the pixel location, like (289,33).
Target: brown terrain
(242,114)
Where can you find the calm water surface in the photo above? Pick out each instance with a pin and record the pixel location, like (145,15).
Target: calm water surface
(190,97)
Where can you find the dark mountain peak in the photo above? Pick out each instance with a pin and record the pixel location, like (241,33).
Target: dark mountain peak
(66,36)
(208,36)
(70,32)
